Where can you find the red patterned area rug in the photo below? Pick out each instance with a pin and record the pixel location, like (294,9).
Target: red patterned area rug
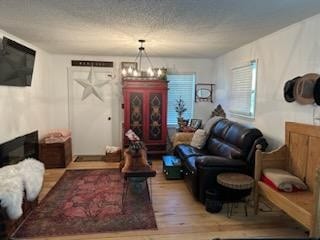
(89,201)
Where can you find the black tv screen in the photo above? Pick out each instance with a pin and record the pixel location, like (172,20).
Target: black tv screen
(16,63)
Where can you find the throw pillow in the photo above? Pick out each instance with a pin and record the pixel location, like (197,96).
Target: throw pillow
(208,125)
(283,180)
(199,139)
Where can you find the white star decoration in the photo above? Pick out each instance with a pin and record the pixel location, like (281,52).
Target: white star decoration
(92,86)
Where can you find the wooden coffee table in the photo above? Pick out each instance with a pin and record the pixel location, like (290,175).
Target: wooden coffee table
(240,186)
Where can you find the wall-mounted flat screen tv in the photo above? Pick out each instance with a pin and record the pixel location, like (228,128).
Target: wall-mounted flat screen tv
(16,63)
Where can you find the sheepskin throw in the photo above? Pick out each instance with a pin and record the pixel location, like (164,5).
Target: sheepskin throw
(11,195)
(25,176)
(32,172)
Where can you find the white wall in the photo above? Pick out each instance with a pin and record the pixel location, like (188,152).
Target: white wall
(44,105)
(283,55)
(58,75)
(25,109)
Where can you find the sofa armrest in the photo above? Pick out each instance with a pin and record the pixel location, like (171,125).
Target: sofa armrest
(277,158)
(181,138)
(209,167)
(259,143)
(216,161)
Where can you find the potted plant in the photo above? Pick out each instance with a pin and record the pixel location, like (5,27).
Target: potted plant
(180,109)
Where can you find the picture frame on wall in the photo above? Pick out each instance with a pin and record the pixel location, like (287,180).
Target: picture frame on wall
(204,92)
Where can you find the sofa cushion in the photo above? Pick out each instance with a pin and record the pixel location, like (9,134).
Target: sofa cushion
(184,151)
(221,148)
(216,161)
(220,128)
(241,136)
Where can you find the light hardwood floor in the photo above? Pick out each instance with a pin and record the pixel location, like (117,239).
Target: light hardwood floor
(179,216)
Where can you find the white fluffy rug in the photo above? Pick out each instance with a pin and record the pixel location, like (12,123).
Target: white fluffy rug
(25,176)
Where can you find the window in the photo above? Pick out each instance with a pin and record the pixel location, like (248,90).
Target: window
(243,90)
(180,85)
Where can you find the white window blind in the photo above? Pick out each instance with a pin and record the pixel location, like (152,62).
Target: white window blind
(180,85)
(243,90)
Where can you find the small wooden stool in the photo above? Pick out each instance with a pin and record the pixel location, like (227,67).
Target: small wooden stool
(240,183)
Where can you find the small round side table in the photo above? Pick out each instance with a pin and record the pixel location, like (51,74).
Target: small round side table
(238,186)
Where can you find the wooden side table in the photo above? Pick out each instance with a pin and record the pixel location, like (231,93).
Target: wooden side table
(55,155)
(240,186)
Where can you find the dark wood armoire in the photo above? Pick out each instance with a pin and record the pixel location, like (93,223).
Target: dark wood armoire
(145,112)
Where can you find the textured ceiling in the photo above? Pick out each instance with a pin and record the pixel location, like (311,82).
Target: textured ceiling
(172,28)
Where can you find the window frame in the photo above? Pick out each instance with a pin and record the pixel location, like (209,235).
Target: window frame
(252,114)
(194,74)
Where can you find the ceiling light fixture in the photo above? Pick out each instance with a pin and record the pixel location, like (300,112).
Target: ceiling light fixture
(138,72)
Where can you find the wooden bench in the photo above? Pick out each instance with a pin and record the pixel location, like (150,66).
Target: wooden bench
(300,156)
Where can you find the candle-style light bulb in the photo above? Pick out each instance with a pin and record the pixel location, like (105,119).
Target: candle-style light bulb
(130,70)
(159,72)
(151,73)
(135,73)
(124,72)
(149,70)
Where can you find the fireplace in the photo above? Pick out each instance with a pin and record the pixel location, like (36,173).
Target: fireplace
(22,147)
(12,152)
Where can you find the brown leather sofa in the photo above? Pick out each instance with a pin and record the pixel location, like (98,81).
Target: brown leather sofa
(230,147)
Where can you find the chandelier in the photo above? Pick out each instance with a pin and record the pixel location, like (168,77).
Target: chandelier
(151,72)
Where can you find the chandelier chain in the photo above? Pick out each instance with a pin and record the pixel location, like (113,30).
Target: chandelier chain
(136,71)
